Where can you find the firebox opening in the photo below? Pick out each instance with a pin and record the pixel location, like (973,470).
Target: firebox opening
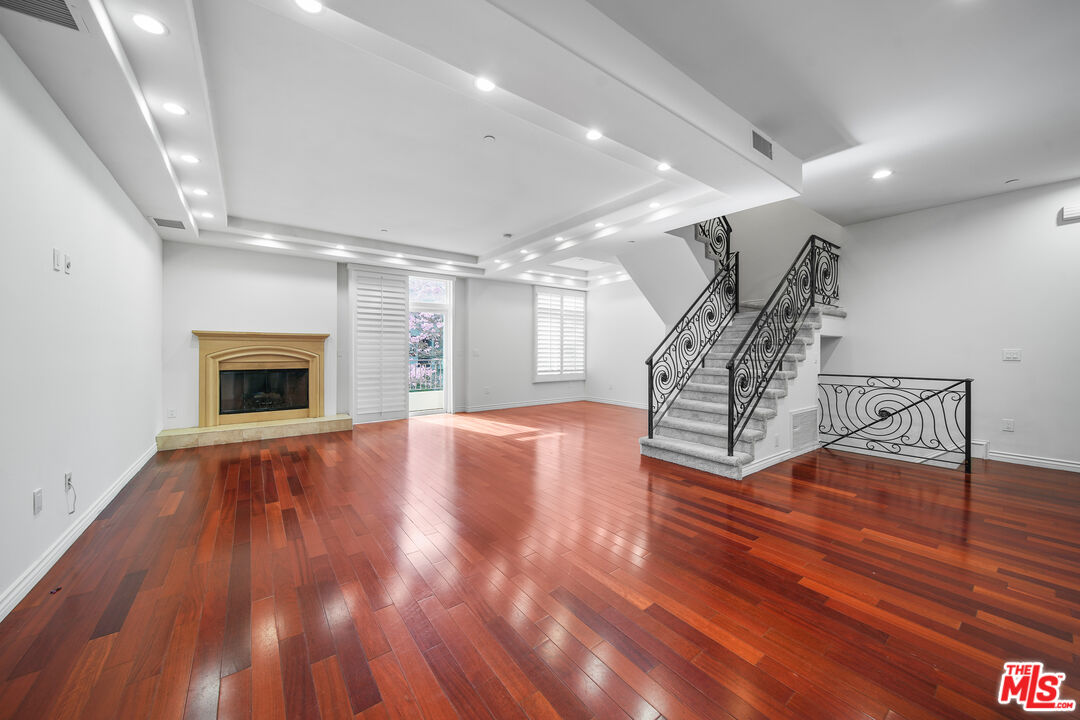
(251,391)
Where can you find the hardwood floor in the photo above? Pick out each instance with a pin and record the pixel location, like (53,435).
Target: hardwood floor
(529,564)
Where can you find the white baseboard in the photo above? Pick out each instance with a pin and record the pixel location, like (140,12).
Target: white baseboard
(1043,462)
(524,403)
(979,449)
(768,461)
(622,403)
(26,582)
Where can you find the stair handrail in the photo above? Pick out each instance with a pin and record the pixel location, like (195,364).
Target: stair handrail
(671,364)
(811,279)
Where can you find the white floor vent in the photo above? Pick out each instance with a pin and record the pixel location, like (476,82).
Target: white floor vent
(804,429)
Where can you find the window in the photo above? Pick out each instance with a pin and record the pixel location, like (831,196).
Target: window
(560,334)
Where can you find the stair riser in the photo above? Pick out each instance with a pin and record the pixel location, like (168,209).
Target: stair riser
(713,417)
(718,384)
(722,396)
(690,462)
(790,363)
(703,439)
(730,344)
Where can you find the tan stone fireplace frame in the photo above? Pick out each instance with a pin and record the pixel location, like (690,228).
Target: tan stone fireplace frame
(253,351)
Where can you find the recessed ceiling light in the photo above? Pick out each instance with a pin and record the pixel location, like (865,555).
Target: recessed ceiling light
(594,134)
(559,239)
(384,230)
(532,257)
(525,251)
(654,205)
(882,174)
(199,192)
(598,225)
(483,84)
(489,138)
(663,167)
(174,108)
(340,247)
(149,24)
(1012,180)
(311,6)
(268,236)
(189,159)
(504,266)
(207,215)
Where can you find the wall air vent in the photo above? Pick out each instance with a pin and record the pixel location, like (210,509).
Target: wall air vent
(54,11)
(804,429)
(174,224)
(762,145)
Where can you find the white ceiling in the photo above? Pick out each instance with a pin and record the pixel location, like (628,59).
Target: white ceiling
(319,134)
(956,96)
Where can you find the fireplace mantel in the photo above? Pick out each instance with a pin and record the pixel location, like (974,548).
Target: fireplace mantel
(256,350)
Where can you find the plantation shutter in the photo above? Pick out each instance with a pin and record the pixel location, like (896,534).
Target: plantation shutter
(380,345)
(560,334)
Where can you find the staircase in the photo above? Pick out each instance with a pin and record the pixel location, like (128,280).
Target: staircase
(760,346)
(694,431)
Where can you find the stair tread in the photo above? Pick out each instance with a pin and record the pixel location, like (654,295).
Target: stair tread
(718,408)
(708,428)
(723,389)
(704,452)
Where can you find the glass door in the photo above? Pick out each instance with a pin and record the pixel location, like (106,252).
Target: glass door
(429,325)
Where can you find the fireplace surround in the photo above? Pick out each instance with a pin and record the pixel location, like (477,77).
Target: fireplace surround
(265,376)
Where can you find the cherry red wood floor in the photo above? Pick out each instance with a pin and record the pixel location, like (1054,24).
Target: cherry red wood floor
(530,564)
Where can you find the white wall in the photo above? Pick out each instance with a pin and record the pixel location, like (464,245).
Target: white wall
(622,330)
(499,337)
(208,288)
(82,354)
(767,239)
(668,273)
(940,292)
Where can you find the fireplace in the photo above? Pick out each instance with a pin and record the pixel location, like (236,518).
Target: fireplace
(257,377)
(252,391)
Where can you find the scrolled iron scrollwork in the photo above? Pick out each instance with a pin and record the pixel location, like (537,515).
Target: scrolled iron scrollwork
(716,235)
(674,360)
(812,278)
(923,419)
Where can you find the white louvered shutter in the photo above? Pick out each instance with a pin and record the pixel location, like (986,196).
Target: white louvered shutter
(560,334)
(380,345)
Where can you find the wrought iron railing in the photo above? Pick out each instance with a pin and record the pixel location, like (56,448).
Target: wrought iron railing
(715,234)
(425,374)
(683,349)
(926,420)
(811,279)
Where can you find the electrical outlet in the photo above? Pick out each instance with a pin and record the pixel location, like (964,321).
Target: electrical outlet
(67,482)
(39,501)
(1008,425)
(776,441)
(67,263)
(1011,354)
(487,391)
(171,413)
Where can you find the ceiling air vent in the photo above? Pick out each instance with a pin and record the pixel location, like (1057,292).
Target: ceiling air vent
(762,145)
(174,224)
(54,11)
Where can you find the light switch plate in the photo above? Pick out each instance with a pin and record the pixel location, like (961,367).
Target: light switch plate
(57,260)
(39,500)
(1008,425)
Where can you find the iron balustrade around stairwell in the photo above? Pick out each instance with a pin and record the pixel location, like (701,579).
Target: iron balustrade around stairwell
(921,419)
(683,349)
(813,278)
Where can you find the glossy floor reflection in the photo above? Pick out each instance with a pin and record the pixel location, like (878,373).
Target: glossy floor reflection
(529,563)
